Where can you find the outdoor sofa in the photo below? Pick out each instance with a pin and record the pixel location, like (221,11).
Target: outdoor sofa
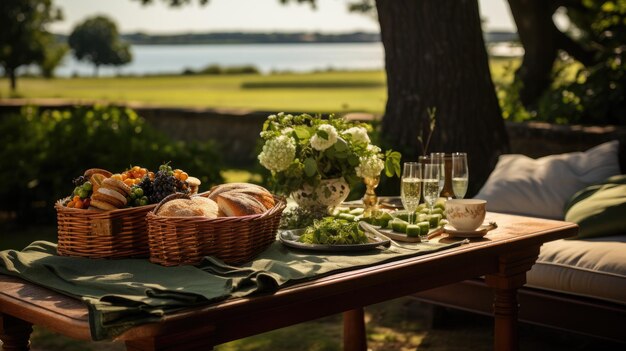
(578,284)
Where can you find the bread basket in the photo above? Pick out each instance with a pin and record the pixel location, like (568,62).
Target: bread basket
(102,234)
(235,240)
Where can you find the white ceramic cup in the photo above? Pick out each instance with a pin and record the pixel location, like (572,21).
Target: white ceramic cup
(465,214)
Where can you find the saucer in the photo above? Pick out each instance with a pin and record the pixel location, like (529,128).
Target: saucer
(478,233)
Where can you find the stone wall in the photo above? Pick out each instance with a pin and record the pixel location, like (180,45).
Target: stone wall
(237,131)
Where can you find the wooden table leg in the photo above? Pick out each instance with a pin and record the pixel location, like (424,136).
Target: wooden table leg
(354,338)
(14,333)
(510,276)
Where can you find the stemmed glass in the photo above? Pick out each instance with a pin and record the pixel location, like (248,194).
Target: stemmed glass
(460,174)
(411,187)
(430,182)
(440,159)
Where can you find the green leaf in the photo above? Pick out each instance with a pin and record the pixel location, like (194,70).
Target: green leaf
(341,145)
(302,132)
(341,155)
(310,167)
(353,160)
(322,134)
(330,152)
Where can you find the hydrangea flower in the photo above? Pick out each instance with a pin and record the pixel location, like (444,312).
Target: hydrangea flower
(321,144)
(359,135)
(373,149)
(302,149)
(370,166)
(278,153)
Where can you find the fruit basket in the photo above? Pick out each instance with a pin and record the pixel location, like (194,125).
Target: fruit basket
(235,240)
(106,215)
(96,234)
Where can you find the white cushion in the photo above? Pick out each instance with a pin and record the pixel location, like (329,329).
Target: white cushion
(541,187)
(592,267)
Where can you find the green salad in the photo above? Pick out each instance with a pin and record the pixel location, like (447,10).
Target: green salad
(333,231)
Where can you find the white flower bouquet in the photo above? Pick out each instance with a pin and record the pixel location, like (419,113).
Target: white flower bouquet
(303,149)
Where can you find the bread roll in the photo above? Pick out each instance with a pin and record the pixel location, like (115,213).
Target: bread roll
(194,184)
(111,194)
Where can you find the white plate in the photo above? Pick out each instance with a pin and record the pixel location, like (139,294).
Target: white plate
(290,238)
(478,233)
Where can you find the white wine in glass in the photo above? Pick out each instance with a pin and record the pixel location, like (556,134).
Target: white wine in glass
(431,184)
(411,187)
(440,159)
(460,174)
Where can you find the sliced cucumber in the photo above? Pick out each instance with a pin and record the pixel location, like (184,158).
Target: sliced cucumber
(346,216)
(434,220)
(413,230)
(424,227)
(399,226)
(357,211)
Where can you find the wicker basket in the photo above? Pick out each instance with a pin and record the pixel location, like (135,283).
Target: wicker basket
(235,240)
(95,234)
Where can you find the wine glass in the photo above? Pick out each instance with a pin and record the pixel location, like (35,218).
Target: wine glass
(440,159)
(411,187)
(460,174)
(430,183)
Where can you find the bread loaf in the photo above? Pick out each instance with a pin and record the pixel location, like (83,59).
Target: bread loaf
(196,207)
(218,189)
(239,204)
(241,199)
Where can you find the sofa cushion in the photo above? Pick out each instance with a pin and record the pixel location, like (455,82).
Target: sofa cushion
(599,209)
(591,267)
(541,187)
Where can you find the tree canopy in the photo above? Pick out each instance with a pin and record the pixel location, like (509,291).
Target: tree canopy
(23,35)
(595,38)
(97,40)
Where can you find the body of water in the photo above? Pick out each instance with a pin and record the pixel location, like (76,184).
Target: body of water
(158,59)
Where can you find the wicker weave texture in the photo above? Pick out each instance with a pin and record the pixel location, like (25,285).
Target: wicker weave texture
(235,240)
(95,234)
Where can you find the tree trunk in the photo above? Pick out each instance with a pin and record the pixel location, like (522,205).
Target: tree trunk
(12,79)
(435,57)
(536,32)
(95,70)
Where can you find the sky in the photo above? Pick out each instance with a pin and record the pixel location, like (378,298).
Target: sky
(331,16)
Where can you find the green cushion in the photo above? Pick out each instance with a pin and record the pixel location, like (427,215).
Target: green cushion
(599,210)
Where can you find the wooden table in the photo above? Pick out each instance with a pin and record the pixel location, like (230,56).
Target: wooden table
(503,257)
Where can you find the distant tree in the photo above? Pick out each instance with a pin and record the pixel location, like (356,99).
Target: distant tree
(435,56)
(23,34)
(97,40)
(53,56)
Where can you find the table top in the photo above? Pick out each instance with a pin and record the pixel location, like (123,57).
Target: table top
(307,300)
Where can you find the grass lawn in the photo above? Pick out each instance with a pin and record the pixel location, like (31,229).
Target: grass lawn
(312,92)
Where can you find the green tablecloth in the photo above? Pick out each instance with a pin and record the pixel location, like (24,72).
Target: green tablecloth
(123,293)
